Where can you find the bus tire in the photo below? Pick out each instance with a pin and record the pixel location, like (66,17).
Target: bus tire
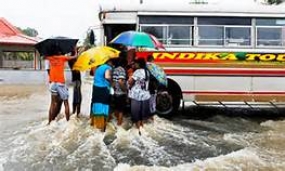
(168,100)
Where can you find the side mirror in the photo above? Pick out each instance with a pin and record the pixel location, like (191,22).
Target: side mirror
(91,38)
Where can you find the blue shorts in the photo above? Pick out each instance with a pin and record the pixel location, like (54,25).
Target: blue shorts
(60,89)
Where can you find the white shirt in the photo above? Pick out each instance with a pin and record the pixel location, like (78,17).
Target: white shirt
(139,91)
(46,64)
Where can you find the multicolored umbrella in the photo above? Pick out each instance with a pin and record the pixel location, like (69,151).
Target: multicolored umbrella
(137,39)
(94,57)
(158,44)
(157,72)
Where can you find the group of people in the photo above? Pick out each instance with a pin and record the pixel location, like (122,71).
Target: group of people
(116,85)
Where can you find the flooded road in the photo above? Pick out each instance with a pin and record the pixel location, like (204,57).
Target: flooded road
(197,140)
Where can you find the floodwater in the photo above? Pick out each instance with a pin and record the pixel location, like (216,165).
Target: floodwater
(210,140)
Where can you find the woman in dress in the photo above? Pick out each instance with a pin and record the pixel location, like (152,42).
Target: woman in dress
(101,95)
(139,93)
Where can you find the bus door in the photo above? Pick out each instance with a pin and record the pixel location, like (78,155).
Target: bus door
(112,30)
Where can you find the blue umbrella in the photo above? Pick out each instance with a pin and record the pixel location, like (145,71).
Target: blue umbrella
(157,72)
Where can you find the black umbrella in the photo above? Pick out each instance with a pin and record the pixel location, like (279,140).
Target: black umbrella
(56,45)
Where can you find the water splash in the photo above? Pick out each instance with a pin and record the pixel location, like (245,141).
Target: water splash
(215,143)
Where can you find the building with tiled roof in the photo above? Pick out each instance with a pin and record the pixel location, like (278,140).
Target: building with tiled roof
(13,40)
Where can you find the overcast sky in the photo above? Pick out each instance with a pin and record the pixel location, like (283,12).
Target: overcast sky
(70,18)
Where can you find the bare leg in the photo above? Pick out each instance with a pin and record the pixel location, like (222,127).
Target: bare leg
(66,106)
(141,123)
(50,112)
(105,124)
(110,117)
(50,115)
(58,105)
(99,122)
(120,118)
(138,125)
(53,108)
(78,108)
(91,120)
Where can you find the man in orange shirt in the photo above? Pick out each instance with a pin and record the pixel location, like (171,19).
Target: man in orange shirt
(58,87)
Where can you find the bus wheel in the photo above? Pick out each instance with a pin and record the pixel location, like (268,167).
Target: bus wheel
(168,101)
(164,103)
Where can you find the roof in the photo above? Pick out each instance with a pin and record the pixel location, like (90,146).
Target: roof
(9,34)
(247,7)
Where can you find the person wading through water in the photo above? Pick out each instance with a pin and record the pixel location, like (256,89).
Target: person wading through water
(139,93)
(77,94)
(100,102)
(120,89)
(58,87)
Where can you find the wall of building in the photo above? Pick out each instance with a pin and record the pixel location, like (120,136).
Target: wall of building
(27,76)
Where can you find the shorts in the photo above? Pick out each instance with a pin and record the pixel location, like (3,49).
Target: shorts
(60,89)
(139,110)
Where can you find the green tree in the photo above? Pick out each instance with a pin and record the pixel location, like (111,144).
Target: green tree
(271,2)
(25,56)
(29,32)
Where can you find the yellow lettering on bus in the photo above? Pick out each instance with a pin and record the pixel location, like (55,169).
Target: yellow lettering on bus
(252,57)
(186,56)
(217,56)
(199,56)
(280,58)
(230,57)
(168,55)
(212,56)
(155,55)
(267,57)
